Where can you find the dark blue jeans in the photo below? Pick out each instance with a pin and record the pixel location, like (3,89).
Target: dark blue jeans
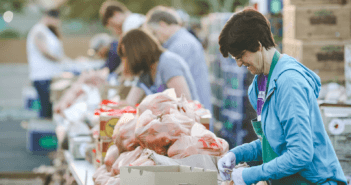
(43,89)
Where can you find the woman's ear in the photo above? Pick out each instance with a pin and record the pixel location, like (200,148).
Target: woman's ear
(260,47)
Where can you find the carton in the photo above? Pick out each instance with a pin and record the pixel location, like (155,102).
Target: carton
(317,22)
(108,121)
(326,58)
(348,70)
(170,175)
(314,2)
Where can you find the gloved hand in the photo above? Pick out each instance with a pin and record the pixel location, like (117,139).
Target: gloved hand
(226,162)
(237,176)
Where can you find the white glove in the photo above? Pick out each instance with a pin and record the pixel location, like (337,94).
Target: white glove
(226,162)
(237,176)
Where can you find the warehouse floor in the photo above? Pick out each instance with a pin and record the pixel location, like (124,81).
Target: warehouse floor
(13,153)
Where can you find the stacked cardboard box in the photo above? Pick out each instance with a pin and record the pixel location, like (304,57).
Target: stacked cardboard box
(315,33)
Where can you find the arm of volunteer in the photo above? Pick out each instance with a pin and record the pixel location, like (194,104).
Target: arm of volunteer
(180,86)
(40,42)
(248,152)
(134,96)
(293,113)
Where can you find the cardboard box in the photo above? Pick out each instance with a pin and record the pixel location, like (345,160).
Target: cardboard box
(108,121)
(348,70)
(326,58)
(314,2)
(170,175)
(317,22)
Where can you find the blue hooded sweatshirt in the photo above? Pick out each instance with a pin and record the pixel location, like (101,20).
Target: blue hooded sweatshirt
(293,126)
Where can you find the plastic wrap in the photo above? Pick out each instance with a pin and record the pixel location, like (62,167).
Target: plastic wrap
(201,141)
(99,171)
(124,136)
(159,103)
(114,180)
(111,156)
(125,159)
(160,133)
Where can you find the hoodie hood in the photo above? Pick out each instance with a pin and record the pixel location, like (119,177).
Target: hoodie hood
(290,63)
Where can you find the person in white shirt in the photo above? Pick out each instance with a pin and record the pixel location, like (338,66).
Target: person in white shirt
(118,18)
(44,52)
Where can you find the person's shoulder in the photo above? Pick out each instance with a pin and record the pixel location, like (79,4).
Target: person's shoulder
(169,58)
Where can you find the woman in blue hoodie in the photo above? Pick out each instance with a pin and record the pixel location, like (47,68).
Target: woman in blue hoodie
(293,143)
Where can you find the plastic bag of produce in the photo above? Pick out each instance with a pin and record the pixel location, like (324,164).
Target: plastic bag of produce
(111,156)
(160,133)
(125,159)
(114,180)
(102,179)
(99,171)
(159,103)
(144,159)
(201,141)
(124,136)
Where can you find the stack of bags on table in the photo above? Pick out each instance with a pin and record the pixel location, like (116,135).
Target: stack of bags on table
(79,89)
(164,125)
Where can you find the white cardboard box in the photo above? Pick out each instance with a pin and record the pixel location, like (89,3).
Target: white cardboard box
(170,175)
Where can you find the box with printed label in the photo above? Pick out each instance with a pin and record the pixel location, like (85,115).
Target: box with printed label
(170,175)
(108,121)
(326,58)
(317,22)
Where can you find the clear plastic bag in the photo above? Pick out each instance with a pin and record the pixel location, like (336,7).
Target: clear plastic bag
(111,156)
(125,159)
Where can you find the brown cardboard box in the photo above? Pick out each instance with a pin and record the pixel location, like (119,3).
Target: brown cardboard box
(314,2)
(170,175)
(326,58)
(317,22)
(348,70)
(107,124)
(23,178)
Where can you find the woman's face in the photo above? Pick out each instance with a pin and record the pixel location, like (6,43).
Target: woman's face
(252,60)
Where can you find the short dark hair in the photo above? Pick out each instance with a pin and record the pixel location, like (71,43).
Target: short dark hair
(141,50)
(108,8)
(162,14)
(244,31)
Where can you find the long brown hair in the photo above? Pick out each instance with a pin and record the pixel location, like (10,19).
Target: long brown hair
(141,50)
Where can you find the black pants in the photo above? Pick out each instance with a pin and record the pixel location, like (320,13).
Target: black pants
(43,89)
(295,179)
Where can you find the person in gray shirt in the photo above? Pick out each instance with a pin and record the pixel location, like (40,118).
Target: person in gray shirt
(164,24)
(158,69)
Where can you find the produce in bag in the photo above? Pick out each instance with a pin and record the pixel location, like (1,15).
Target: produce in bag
(159,103)
(201,141)
(159,134)
(111,156)
(102,179)
(124,136)
(125,159)
(114,180)
(99,171)
(144,159)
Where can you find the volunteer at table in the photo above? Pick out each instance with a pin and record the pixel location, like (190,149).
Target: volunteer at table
(44,52)
(158,69)
(293,144)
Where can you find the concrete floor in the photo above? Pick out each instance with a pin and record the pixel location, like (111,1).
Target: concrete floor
(13,153)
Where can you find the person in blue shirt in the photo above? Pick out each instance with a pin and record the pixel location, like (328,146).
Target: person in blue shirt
(165,25)
(105,47)
(157,69)
(293,142)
